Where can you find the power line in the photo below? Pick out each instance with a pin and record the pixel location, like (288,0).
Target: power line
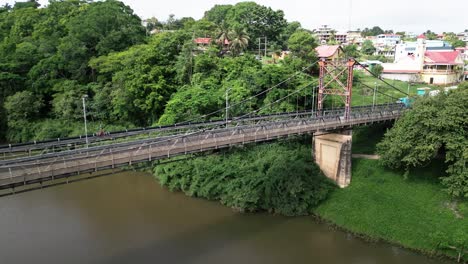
(378,77)
(378,91)
(272,103)
(249,98)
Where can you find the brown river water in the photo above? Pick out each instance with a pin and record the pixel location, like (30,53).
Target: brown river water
(128,218)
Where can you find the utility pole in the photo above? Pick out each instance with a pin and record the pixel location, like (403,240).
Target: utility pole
(407,96)
(259,48)
(227,106)
(373,100)
(84,115)
(313,99)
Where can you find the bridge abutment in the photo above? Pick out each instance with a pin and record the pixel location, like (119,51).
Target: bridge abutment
(332,152)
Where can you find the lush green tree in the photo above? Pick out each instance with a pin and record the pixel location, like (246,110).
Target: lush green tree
(67,102)
(453,39)
(377,69)
(190,103)
(351,51)
(152,24)
(277,178)
(22,109)
(259,21)
(374,31)
(430,35)
(302,44)
(368,47)
(434,126)
(218,14)
(23,106)
(26,4)
(239,41)
(223,34)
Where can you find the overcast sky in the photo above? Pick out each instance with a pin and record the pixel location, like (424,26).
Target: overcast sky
(400,15)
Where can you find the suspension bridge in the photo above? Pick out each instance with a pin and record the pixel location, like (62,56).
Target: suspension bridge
(38,162)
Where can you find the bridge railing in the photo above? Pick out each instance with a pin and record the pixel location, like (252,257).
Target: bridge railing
(93,159)
(64,144)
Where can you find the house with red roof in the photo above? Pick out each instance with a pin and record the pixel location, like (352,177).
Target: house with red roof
(329,52)
(438,67)
(203,43)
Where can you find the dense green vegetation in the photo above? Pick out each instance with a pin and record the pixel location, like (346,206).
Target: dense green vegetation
(50,57)
(436,126)
(365,138)
(279,178)
(413,212)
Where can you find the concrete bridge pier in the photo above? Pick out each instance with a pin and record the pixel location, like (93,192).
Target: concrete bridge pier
(332,152)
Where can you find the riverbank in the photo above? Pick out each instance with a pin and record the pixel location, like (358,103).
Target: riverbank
(414,213)
(412,210)
(279,178)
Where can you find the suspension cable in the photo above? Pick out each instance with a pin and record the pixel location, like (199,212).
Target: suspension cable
(378,91)
(251,97)
(379,78)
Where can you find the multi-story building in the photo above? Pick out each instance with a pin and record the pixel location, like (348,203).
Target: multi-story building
(385,44)
(388,39)
(463,52)
(324,33)
(341,38)
(405,49)
(463,36)
(354,37)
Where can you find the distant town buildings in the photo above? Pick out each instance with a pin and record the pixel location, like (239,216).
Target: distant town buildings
(388,39)
(405,49)
(326,34)
(429,66)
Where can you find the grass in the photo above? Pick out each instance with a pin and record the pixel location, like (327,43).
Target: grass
(364,96)
(381,204)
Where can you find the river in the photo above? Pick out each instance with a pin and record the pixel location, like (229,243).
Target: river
(128,218)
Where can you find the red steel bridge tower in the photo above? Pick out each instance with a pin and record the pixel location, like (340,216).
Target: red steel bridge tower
(338,71)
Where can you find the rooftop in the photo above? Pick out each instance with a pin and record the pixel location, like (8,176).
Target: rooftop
(441,57)
(326,51)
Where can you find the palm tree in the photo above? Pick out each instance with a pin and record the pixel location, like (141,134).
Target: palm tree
(222,34)
(240,41)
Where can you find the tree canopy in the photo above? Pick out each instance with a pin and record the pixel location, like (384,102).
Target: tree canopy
(435,126)
(54,55)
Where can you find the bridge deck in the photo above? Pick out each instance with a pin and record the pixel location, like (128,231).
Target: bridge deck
(22,171)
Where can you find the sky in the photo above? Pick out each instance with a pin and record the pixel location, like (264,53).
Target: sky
(400,15)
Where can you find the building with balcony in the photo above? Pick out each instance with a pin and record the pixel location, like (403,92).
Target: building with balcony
(324,33)
(428,66)
(463,52)
(406,49)
(388,39)
(354,37)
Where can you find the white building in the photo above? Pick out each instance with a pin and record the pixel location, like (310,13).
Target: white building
(403,50)
(463,36)
(388,39)
(324,33)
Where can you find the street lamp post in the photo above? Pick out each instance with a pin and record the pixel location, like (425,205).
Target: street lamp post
(407,95)
(84,115)
(227,106)
(373,100)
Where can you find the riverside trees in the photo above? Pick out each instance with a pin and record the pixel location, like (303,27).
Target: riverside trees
(435,126)
(70,48)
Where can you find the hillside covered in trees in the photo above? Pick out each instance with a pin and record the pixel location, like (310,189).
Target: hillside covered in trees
(51,56)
